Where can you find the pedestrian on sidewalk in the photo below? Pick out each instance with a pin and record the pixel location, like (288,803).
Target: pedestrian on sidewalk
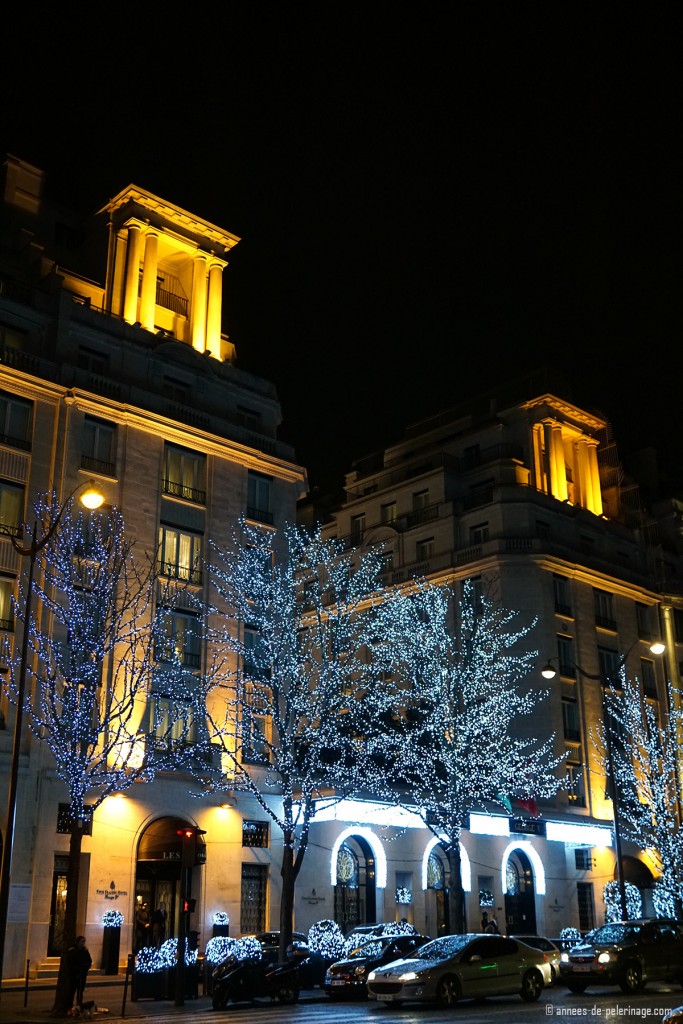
(79,963)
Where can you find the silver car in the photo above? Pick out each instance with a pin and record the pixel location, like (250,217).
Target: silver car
(547,946)
(460,966)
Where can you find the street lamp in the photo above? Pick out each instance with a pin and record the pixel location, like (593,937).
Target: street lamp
(92,499)
(549,672)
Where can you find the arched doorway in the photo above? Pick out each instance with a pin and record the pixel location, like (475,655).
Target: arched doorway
(520,895)
(436,895)
(158,880)
(355,894)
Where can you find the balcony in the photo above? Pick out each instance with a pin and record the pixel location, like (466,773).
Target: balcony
(185,573)
(176,489)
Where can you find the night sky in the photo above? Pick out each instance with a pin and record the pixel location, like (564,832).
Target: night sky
(430,202)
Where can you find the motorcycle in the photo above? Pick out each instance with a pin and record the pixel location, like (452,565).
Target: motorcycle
(240,980)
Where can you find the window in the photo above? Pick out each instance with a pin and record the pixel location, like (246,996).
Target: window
(175,390)
(649,677)
(65,821)
(471,456)
(387,560)
(253,898)
(259,488)
(98,451)
(16,420)
(11,508)
(576,791)
(610,667)
(255,833)
(256,662)
(644,621)
(479,494)
(93,361)
(420,500)
(255,723)
(389,512)
(583,860)
(424,549)
(604,610)
(584,893)
(249,418)
(184,474)
(180,554)
(479,533)
(357,528)
(563,603)
(570,719)
(6,610)
(172,720)
(542,529)
(178,638)
(678,625)
(565,657)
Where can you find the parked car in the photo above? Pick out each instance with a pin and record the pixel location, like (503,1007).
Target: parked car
(374,931)
(456,967)
(311,966)
(546,946)
(674,1016)
(270,943)
(626,953)
(348,977)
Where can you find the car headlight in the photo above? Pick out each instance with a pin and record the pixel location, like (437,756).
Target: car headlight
(409,976)
(372,975)
(604,958)
(564,958)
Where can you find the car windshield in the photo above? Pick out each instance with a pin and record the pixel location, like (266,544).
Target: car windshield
(614,935)
(442,949)
(373,948)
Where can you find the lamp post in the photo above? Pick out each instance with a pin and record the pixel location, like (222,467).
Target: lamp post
(549,672)
(91,499)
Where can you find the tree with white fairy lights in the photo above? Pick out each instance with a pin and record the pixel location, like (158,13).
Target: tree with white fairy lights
(645,748)
(301,665)
(463,743)
(99,623)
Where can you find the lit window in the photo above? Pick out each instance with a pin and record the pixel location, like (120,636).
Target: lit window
(178,638)
(6,611)
(179,554)
(184,474)
(11,508)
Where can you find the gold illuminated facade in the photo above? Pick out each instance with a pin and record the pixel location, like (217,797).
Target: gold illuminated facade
(114,366)
(524,493)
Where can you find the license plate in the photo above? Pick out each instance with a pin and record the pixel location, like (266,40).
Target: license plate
(386,997)
(337,981)
(582,967)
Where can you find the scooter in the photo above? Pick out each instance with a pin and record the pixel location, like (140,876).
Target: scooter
(243,980)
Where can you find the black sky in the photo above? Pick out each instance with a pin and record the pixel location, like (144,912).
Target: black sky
(429,202)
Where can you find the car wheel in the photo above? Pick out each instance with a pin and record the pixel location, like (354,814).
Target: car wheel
(288,994)
(553,975)
(532,986)
(576,986)
(448,991)
(632,978)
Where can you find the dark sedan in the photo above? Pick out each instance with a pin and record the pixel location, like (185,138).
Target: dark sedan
(348,978)
(626,953)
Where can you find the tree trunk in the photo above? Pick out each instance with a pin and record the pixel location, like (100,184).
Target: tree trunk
(288,872)
(456,895)
(62,1003)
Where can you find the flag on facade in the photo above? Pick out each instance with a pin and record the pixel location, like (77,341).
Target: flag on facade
(528,804)
(503,799)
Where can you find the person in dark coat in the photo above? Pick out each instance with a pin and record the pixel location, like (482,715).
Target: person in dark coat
(79,963)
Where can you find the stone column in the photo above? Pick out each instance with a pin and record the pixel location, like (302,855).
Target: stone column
(130,293)
(198,311)
(595,477)
(557,463)
(213,316)
(148,294)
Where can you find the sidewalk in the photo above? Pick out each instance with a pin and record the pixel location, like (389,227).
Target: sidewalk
(108,993)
